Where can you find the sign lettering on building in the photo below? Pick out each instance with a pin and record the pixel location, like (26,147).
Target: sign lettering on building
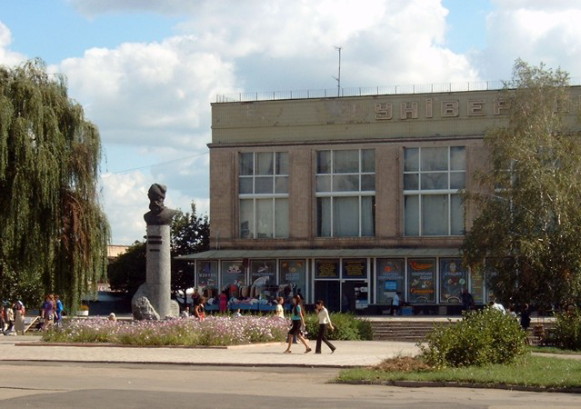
(449,108)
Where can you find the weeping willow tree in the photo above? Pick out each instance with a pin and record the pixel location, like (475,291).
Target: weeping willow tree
(53,232)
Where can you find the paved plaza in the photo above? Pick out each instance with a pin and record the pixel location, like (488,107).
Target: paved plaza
(258,376)
(348,354)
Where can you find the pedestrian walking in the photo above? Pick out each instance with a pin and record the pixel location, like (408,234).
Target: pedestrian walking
(298,322)
(324,325)
(19,313)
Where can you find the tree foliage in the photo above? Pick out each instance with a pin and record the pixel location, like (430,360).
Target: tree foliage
(529,227)
(127,272)
(53,232)
(190,234)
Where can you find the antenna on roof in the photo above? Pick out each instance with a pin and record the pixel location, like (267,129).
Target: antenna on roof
(338,77)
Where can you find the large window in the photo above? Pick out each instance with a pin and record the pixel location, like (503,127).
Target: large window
(263,193)
(345,189)
(432,179)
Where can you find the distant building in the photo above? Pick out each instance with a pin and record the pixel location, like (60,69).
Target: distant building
(115,250)
(347,199)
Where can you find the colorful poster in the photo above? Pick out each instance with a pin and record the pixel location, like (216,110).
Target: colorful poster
(390,278)
(293,278)
(355,268)
(327,269)
(422,278)
(453,279)
(477,285)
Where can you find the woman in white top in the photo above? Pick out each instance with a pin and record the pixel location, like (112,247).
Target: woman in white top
(324,323)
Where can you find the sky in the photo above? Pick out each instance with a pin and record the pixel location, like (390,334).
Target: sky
(147,71)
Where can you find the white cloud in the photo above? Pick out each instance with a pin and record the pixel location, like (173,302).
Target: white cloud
(534,31)
(7,56)
(155,94)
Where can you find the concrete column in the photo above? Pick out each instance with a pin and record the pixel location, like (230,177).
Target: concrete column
(158,270)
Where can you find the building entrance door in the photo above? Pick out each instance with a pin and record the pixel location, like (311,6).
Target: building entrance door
(329,292)
(355,295)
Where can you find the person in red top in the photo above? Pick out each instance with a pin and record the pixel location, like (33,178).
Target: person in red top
(223,301)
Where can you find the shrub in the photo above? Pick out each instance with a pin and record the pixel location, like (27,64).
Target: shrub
(480,338)
(348,327)
(568,330)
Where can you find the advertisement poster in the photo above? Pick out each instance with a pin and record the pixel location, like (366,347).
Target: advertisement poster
(293,278)
(453,279)
(263,279)
(390,278)
(422,278)
(234,279)
(477,285)
(355,268)
(327,269)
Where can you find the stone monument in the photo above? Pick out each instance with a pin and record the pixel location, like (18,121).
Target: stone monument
(152,300)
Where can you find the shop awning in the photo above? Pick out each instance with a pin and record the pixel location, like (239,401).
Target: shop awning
(322,253)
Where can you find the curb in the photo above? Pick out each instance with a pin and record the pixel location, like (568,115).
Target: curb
(109,345)
(440,384)
(196,364)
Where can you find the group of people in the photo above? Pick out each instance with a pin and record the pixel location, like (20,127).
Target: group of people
(298,327)
(51,311)
(12,318)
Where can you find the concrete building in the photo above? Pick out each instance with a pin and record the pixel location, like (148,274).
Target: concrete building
(348,199)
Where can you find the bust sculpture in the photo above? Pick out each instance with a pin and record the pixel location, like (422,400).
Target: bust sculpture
(158,214)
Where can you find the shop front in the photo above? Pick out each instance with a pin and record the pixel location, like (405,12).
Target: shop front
(428,281)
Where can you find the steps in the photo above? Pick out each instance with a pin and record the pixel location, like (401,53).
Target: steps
(404,331)
(413,330)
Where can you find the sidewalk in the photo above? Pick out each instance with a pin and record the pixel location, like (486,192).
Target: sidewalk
(348,354)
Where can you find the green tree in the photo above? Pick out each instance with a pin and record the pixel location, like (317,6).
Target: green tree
(53,232)
(529,227)
(190,234)
(127,272)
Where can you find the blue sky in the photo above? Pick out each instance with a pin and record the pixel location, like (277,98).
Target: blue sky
(146,71)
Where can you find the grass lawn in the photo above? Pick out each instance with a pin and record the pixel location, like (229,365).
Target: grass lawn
(554,350)
(530,371)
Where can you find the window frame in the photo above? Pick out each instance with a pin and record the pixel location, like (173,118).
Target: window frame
(451,194)
(333,194)
(255,200)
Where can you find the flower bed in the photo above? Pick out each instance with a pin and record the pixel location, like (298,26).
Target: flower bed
(213,331)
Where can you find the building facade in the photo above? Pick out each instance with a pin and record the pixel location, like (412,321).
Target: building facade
(347,199)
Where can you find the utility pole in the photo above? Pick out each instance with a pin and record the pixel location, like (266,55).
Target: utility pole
(338,77)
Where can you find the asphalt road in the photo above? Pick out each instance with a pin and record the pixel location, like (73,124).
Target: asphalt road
(153,386)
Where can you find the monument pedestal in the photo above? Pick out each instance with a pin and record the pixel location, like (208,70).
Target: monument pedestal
(158,270)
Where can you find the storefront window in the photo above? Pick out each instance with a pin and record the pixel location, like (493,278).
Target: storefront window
(390,279)
(263,283)
(422,280)
(327,269)
(453,279)
(207,278)
(293,278)
(234,280)
(355,268)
